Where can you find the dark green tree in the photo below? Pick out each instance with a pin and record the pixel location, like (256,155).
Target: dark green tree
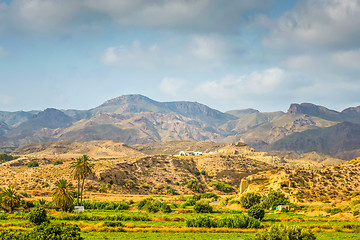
(250,199)
(81,168)
(62,197)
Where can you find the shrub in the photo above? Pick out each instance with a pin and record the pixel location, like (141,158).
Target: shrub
(273,199)
(174,205)
(4,157)
(46,231)
(142,203)
(239,221)
(113,224)
(256,212)
(356,212)
(165,208)
(222,187)
(194,186)
(150,208)
(32,164)
(189,202)
(281,232)
(203,208)
(250,199)
(58,162)
(171,191)
(201,221)
(210,195)
(38,216)
(333,211)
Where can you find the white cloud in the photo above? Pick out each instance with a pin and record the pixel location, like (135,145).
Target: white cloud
(58,16)
(347,59)
(173,86)
(208,48)
(300,61)
(255,83)
(320,23)
(133,55)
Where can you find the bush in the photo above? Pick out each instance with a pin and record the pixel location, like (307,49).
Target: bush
(273,199)
(113,224)
(222,187)
(250,199)
(239,221)
(165,208)
(189,202)
(194,186)
(150,207)
(58,162)
(281,232)
(201,221)
(210,195)
(171,191)
(333,211)
(236,221)
(38,216)
(256,212)
(203,208)
(46,231)
(4,157)
(32,164)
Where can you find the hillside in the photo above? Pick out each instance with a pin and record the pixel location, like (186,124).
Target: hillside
(137,175)
(333,183)
(342,137)
(63,150)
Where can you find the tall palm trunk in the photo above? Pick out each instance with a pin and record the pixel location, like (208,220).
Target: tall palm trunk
(78,191)
(82,190)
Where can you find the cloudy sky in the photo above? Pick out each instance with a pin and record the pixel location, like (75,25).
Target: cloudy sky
(233,54)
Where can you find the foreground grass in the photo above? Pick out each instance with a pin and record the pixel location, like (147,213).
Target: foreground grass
(204,236)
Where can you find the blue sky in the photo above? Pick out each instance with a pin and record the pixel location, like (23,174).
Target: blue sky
(233,54)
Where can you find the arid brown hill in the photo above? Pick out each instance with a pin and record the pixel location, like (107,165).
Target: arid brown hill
(138,175)
(340,182)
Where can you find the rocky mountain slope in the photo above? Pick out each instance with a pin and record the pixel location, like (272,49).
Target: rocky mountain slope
(136,119)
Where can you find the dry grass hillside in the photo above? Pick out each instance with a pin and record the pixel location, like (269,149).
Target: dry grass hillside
(153,174)
(62,149)
(335,183)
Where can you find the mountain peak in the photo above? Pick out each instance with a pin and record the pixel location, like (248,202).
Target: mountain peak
(126,99)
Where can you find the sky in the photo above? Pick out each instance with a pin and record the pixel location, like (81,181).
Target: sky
(233,54)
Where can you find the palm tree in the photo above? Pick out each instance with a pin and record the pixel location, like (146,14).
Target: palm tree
(61,195)
(10,199)
(81,169)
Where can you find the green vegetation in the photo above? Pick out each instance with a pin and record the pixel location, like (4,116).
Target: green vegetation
(222,187)
(81,168)
(46,231)
(58,162)
(4,157)
(250,199)
(9,199)
(273,199)
(203,208)
(62,197)
(281,232)
(32,164)
(257,212)
(38,216)
(235,221)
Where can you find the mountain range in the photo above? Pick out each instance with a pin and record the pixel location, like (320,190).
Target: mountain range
(136,119)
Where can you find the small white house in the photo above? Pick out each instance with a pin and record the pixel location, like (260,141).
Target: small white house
(283,208)
(79,209)
(189,153)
